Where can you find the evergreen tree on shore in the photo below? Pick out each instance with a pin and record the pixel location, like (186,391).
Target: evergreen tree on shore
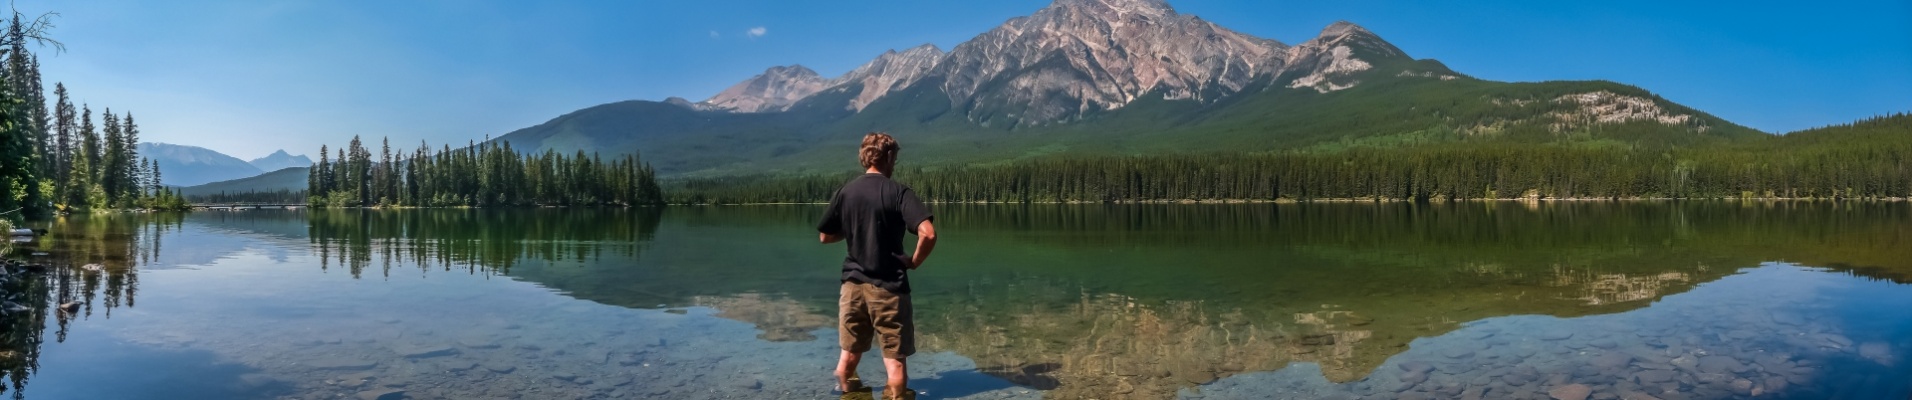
(479,175)
(135,172)
(62,157)
(56,157)
(113,160)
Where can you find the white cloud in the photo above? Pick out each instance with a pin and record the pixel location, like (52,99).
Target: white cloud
(715,35)
(756,32)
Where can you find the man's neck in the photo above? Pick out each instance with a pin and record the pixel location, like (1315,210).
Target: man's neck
(873,170)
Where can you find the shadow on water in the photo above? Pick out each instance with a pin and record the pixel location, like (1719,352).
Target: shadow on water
(959,384)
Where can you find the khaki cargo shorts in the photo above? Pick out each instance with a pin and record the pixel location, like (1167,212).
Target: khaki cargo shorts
(865,311)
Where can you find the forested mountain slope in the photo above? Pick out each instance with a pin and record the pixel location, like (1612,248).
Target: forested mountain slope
(1115,78)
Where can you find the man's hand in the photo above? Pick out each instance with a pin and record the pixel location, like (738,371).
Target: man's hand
(826,238)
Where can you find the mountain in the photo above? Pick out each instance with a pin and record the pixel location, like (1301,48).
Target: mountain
(280,160)
(1116,77)
(288,179)
(773,90)
(888,72)
(1080,56)
(189,165)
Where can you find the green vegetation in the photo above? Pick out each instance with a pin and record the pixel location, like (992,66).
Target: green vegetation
(58,160)
(1394,105)
(285,186)
(1868,159)
(479,175)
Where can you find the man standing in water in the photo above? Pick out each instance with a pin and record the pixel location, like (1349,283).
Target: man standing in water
(871,213)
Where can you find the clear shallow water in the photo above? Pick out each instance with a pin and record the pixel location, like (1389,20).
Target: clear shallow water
(1695,300)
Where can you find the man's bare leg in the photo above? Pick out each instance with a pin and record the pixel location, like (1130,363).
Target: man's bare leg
(846,367)
(898,369)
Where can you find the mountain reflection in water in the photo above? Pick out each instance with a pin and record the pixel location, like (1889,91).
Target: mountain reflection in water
(1136,301)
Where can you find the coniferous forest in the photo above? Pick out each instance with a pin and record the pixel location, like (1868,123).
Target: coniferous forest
(58,159)
(1868,159)
(61,158)
(478,175)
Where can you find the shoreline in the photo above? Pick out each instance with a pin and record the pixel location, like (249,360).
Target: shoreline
(1224,201)
(1379,200)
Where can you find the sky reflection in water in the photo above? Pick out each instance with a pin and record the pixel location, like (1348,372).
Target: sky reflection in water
(1692,300)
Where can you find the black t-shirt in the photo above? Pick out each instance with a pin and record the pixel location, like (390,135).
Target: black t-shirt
(871,213)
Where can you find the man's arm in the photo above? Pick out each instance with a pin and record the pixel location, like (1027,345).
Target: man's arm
(830,228)
(925,242)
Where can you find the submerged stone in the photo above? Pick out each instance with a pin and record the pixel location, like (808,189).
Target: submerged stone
(1571,392)
(1877,352)
(1611,360)
(426,351)
(477,343)
(1653,376)
(341,364)
(1720,365)
(382,394)
(1787,318)
(1742,387)
(1455,352)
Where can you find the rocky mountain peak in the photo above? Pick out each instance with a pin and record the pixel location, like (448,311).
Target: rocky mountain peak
(1077,57)
(1342,28)
(773,90)
(1344,33)
(1080,56)
(280,160)
(1150,8)
(1341,50)
(889,72)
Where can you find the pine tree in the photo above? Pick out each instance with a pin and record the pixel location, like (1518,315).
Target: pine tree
(21,143)
(134,168)
(385,173)
(37,115)
(153,167)
(319,178)
(62,142)
(86,159)
(17,179)
(112,159)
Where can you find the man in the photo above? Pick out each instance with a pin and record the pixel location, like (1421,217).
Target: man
(870,214)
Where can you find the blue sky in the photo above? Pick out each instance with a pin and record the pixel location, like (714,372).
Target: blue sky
(250,77)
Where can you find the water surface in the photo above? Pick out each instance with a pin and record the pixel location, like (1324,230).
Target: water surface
(1501,300)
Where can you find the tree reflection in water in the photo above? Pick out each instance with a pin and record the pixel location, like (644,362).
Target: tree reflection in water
(476,241)
(91,265)
(1080,300)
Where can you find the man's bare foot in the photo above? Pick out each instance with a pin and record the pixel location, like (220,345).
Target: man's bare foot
(848,382)
(899,394)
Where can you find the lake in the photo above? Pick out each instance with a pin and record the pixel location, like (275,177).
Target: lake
(1686,300)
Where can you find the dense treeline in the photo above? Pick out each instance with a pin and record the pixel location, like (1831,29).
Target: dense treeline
(1867,159)
(478,175)
(59,159)
(281,196)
